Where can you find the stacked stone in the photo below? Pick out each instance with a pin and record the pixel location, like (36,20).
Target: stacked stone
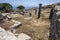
(55,25)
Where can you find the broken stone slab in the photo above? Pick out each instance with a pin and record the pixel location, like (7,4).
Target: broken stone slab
(5,35)
(28,18)
(23,36)
(16,21)
(58,19)
(16,25)
(4,14)
(58,13)
(57,8)
(13,27)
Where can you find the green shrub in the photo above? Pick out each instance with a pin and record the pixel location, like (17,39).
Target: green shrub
(21,7)
(5,7)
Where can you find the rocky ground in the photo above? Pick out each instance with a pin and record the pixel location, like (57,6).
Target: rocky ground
(37,29)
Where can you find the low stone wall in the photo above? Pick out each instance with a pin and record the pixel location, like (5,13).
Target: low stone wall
(55,25)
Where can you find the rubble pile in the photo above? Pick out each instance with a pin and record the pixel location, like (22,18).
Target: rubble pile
(7,35)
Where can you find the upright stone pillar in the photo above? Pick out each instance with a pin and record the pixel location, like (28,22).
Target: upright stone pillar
(39,12)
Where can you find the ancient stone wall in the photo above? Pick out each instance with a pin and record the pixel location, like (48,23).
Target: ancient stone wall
(55,25)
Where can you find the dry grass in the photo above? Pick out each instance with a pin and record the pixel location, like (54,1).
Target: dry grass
(6,24)
(36,28)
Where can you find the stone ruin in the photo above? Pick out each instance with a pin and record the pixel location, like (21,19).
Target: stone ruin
(39,12)
(13,27)
(7,35)
(55,25)
(32,12)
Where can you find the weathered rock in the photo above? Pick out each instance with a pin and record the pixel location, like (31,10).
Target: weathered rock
(55,25)
(5,35)
(23,36)
(28,18)
(16,25)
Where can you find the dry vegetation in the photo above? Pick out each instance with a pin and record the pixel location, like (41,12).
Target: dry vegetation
(38,29)
(6,24)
